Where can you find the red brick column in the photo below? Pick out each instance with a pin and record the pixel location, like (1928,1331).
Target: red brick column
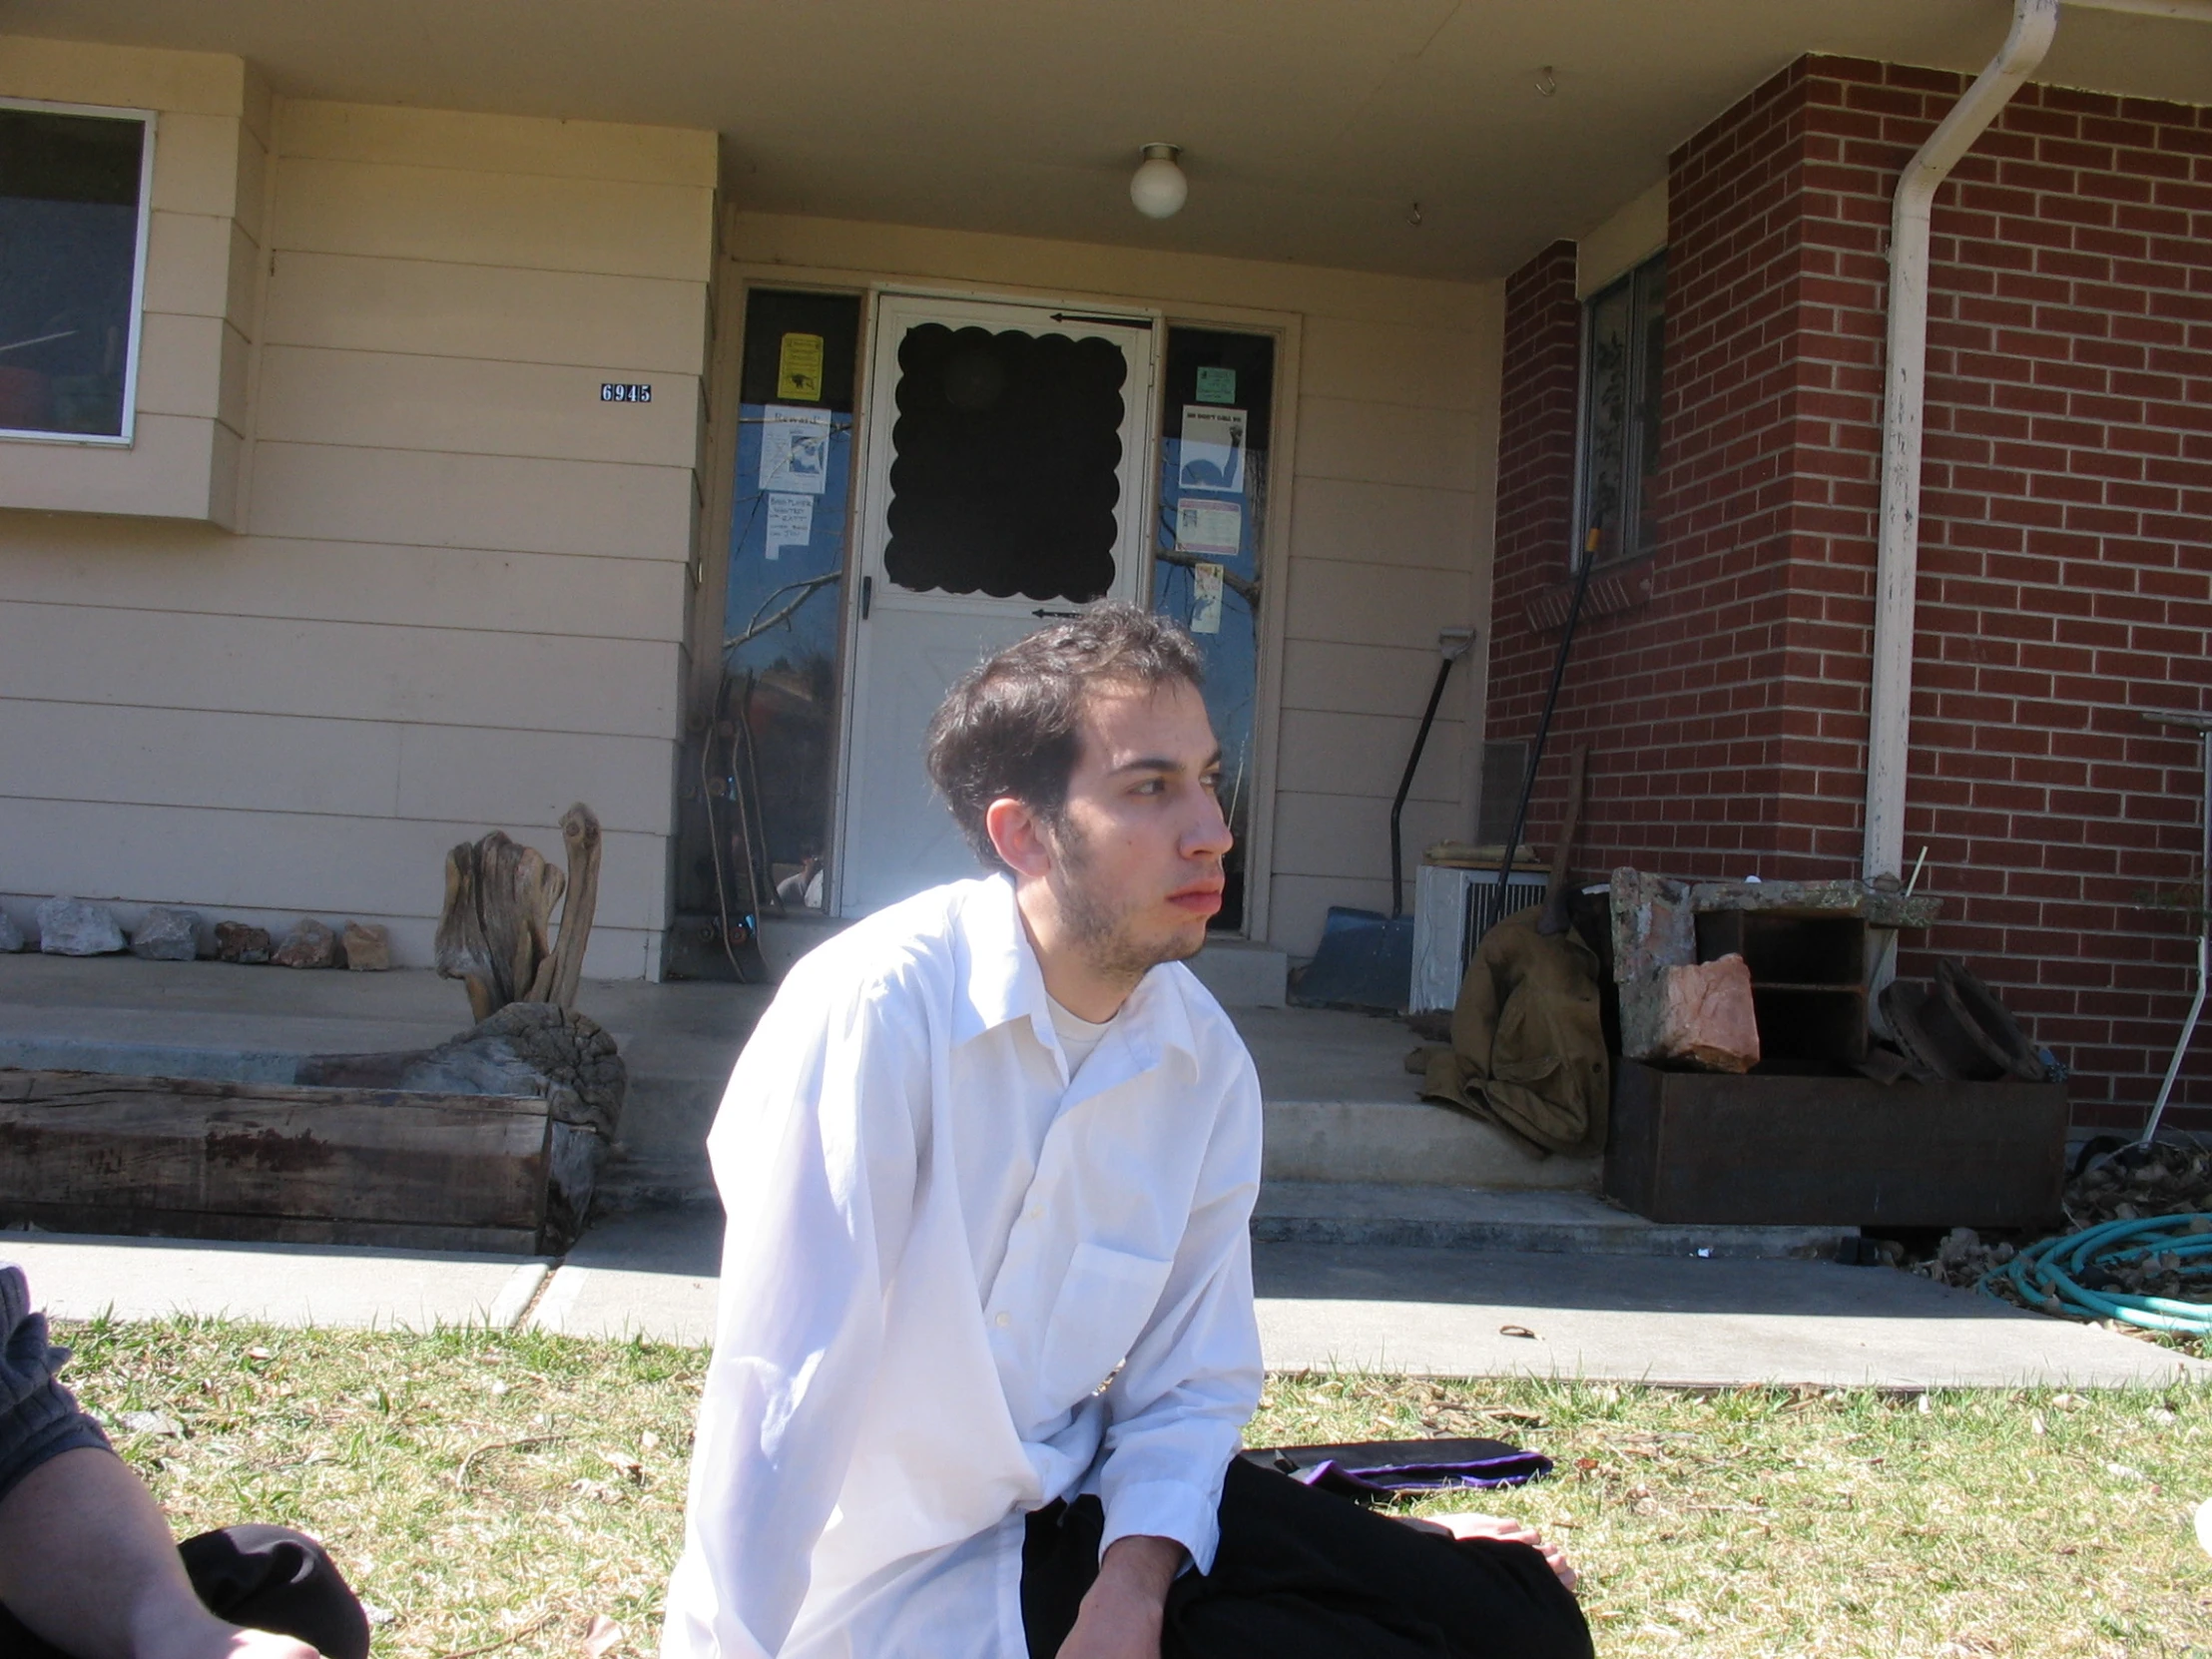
(2066,542)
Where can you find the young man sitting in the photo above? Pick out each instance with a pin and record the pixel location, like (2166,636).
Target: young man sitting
(986,1344)
(88,1569)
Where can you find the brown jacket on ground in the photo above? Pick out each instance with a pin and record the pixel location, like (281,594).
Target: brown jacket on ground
(1527,1046)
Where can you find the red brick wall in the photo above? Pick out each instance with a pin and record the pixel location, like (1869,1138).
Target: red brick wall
(1535,448)
(2066,551)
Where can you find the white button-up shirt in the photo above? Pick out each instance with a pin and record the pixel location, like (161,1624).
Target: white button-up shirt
(956,1286)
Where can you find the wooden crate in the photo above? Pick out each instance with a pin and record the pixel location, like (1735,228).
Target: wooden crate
(1699,1147)
(1808,978)
(93,1152)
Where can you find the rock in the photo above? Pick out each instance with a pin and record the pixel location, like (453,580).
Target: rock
(368,947)
(11,936)
(1700,1013)
(1653,927)
(167,936)
(236,941)
(311,945)
(72,927)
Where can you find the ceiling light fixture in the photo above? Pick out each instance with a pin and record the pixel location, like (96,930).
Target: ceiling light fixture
(1158,188)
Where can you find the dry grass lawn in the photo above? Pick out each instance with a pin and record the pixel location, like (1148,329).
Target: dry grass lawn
(503,1492)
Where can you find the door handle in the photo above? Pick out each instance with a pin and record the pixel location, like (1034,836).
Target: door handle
(868,594)
(1042,611)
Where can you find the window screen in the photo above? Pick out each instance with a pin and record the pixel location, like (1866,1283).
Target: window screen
(1622,336)
(72,195)
(1006,471)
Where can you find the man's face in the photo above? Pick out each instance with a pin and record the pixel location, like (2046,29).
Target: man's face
(1137,850)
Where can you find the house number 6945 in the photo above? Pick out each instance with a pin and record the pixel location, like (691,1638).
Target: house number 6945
(611,391)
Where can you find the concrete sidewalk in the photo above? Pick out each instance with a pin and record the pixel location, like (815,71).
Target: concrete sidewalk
(82,1277)
(1447,1313)
(1444,1312)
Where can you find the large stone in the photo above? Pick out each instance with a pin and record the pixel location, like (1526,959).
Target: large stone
(368,947)
(311,945)
(72,927)
(11,936)
(1698,1013)
(1653,925)
(167,936)
(239,941)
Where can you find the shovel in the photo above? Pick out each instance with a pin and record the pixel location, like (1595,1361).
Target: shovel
(1366,960)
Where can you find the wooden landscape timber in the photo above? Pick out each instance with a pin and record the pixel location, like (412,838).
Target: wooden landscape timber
(497,920)
(190,1158)
(491,1141)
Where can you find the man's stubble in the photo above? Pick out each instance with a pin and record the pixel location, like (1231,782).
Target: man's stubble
(1097,918)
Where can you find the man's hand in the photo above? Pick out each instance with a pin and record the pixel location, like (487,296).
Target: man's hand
(1471,1526)
(208,1637)
(1120,1617)
(87,1561)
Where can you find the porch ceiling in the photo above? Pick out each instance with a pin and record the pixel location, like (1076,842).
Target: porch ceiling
(1310,126)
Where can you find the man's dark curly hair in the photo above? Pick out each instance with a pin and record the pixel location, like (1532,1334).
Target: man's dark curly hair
(1012,726)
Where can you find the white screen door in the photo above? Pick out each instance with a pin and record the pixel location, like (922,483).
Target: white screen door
(1008,449)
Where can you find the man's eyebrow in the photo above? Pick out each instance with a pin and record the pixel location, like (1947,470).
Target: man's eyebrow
(1162,762)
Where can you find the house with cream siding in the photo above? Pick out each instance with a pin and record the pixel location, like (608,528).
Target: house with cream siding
(656,407)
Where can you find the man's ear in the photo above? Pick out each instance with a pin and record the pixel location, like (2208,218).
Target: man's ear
(1018,836)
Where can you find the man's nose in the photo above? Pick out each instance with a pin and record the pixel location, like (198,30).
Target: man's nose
(1207,836)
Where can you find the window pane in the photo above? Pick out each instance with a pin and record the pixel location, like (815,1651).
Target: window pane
(1605,417)
(1007,449)
(764,807)
(69,216)
(1214,446)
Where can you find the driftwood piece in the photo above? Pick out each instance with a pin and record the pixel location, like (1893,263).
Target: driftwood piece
(500,897)
(563,971)
(193,1158)
(527,1048)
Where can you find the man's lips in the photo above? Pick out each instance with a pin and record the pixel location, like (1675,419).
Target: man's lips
(1200,900)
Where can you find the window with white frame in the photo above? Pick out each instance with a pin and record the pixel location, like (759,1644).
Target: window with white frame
(1617,443)
(73,211)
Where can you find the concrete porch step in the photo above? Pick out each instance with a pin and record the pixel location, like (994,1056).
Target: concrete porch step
(1340,1105)
(1527,1222)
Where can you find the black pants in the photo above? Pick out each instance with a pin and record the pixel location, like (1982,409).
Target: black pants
(1302,1573)
(263,1577)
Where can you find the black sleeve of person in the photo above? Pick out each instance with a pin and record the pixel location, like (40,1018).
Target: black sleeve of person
(39,1418)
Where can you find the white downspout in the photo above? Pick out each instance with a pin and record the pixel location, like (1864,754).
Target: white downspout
(1896,570)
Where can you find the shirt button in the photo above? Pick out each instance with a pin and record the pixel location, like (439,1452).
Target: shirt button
(1003,1320)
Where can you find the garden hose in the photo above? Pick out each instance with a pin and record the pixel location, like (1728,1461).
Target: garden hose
(2052,1273)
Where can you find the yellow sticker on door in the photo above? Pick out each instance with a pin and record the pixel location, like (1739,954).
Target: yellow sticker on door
(799,368)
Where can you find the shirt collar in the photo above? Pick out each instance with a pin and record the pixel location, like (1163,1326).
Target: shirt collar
(1003,982)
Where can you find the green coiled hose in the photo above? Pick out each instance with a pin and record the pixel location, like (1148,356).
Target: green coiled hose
(2054,1267)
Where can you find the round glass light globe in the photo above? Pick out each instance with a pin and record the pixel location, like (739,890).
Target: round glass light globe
(1158,189)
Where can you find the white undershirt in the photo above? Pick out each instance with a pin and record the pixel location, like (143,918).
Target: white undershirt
(1078,1036)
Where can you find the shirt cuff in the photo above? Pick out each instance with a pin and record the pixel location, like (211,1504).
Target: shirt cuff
(1174,1510)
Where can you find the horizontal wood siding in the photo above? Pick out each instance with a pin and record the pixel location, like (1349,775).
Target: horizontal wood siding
(1391,541)
(459,600)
